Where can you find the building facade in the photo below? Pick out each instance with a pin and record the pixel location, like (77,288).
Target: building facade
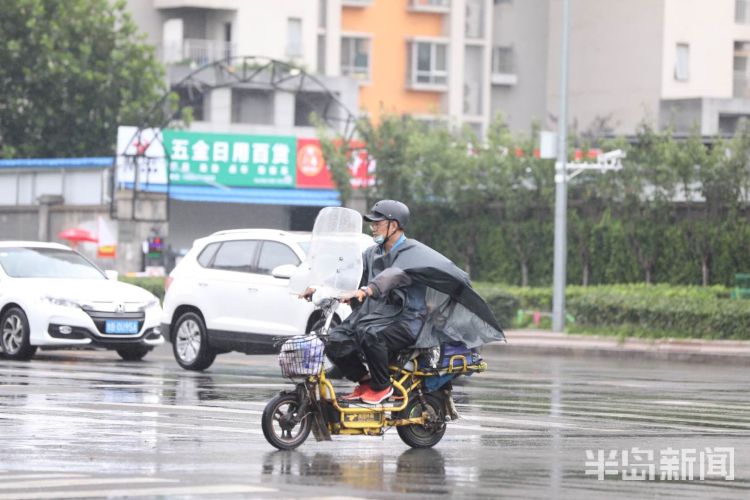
(677,63)
(431,59)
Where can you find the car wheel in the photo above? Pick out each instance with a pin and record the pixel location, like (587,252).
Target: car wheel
(133,352)
(190,345)
(15,331)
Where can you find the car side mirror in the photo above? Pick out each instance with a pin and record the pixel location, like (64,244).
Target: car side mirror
(111,274)
(284,271)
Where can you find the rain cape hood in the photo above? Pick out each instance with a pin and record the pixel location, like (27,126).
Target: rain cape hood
(455,312)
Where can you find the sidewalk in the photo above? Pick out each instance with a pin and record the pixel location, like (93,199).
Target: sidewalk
(545,341)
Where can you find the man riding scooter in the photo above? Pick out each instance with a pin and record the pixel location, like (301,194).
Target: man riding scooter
(414,305)
(389,321)
(395,278)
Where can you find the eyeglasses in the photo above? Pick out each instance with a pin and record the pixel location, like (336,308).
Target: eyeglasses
(378,223)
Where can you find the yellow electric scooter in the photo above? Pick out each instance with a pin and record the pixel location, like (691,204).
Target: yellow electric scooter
(419,415)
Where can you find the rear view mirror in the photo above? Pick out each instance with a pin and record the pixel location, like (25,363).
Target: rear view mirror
(111,274)
(284,271)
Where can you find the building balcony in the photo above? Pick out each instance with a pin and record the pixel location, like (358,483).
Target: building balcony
(436,6)
(428,82)
(196,4)
(356,3)
(196,52)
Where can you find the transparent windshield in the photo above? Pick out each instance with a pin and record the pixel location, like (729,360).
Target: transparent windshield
(334,261)
(20,262)
(305,246)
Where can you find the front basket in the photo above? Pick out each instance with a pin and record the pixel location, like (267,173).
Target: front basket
(301,356)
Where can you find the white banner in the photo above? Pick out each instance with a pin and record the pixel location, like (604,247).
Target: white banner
(144,149)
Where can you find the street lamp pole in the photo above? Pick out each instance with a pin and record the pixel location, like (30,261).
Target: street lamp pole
(561,188)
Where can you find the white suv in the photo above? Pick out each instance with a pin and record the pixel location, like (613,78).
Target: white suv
(223,297)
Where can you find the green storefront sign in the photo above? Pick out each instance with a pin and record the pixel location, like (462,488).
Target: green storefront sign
(201,158)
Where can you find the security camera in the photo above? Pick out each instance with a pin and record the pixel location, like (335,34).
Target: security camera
(617,154)
(611,160)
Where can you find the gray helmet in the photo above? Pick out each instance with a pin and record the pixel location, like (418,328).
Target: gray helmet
(389,210)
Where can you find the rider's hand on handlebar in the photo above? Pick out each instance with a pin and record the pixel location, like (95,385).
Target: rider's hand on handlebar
(307,294)
(360,295)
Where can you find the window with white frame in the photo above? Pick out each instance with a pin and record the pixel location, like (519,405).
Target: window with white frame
(294,37)
(682,63)
(428,63)
(503,60)
(742,11)
(741,67)
(355,57)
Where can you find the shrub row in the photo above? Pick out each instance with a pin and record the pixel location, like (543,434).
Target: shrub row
(154,285)
(633,309)
(610,255)
(698,312)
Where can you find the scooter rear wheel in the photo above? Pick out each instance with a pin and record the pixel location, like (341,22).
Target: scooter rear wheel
(278,423)
(429,434)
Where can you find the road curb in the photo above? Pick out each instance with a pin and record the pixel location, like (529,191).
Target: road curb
(685,350)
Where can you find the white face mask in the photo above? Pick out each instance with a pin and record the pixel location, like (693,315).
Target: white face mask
(379,239)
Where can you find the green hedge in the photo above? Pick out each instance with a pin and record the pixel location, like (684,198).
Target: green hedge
(622,310)
(154,285)
(496,255)
(634,310)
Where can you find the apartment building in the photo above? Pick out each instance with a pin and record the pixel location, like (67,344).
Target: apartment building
(189,34)
(677,63)
(520,48)
(428,58)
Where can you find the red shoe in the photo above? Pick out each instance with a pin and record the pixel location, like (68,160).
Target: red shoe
(372,397)
(357,393)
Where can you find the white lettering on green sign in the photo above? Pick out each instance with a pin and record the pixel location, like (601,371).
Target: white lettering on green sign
(230,160)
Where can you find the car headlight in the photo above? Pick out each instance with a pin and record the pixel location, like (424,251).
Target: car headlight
(58,301)
(148,305)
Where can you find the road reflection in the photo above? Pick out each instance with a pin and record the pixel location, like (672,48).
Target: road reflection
(415,470)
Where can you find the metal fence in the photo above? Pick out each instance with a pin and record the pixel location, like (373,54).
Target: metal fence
(197,51)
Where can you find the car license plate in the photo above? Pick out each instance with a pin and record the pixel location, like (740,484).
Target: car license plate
(121,326)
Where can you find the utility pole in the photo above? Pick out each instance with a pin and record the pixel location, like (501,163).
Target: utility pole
(561,180)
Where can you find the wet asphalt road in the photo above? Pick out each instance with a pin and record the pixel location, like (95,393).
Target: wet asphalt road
(85,424)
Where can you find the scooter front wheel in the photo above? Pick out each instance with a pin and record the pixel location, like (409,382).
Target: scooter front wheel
(281,422)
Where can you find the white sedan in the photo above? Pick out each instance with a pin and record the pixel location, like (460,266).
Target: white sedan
(53,297)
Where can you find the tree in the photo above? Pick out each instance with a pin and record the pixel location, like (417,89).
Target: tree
(647,190)
(697,165)
(526,192)
(70,73)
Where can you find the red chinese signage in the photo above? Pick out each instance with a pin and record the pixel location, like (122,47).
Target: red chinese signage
(313,172)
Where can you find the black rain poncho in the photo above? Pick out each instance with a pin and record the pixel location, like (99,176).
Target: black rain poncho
(454,311)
